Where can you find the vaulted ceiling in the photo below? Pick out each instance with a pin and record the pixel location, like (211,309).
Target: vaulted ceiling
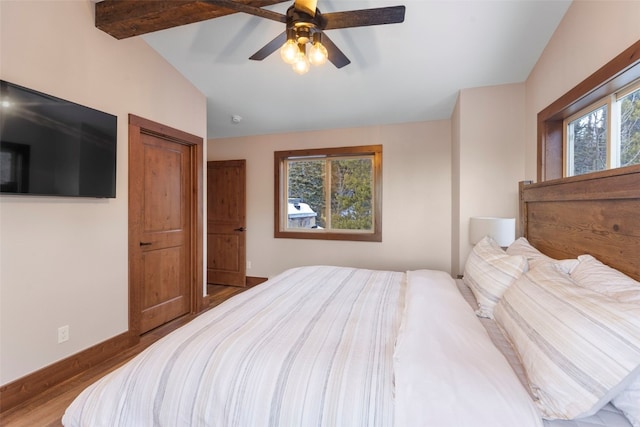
(406,72)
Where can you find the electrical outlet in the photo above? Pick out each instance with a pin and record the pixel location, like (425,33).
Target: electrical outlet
(248,265)
(63,334)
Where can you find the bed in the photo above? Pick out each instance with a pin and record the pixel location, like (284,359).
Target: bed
(340,346)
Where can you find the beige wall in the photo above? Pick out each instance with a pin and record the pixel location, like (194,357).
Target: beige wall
(455,190)
(416,199)
(490,159)
(64,260)
(590,35)
(495,128)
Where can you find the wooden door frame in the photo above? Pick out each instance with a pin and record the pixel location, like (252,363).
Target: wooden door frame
(137,127)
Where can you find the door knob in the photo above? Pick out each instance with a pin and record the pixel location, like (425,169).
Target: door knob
(239,229)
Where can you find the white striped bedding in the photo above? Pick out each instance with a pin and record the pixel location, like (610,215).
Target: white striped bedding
(310,347)
(315,346)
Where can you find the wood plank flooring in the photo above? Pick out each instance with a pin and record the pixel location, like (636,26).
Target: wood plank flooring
(46,409)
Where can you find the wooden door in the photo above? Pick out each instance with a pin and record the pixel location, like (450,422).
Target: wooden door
(161,240)
(226,257)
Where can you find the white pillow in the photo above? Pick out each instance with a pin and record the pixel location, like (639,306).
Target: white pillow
(593,274)
(579,348)
(521,246)
(489,271)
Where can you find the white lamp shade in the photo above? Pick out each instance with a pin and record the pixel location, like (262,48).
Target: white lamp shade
(502,230)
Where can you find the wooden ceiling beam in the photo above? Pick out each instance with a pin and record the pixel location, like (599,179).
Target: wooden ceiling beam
(128,18)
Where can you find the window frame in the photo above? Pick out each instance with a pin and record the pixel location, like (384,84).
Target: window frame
(281,197)
(621,71)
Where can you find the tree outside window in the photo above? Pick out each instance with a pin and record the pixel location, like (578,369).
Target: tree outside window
(588,143)
(630,129)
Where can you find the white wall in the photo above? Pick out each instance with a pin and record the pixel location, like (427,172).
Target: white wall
(416,199)
(63,261)
(590,35)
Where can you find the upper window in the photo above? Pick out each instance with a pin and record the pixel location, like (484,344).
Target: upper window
(332,193)
(605,135)
(595,125)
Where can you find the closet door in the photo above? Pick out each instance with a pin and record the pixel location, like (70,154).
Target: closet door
(226,223)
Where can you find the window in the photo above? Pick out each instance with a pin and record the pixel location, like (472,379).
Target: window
(605,135)
(331,194)
(615,83)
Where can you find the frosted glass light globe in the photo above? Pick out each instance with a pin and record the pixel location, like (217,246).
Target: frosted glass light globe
(318,54)
(289,51)
(302,65)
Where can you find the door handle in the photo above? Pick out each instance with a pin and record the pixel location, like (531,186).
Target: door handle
(145,243)
(240,229)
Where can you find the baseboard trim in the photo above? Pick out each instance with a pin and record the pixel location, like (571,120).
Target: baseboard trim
(253,281)
(27,387)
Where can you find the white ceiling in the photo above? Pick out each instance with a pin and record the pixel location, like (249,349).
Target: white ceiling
(398,73)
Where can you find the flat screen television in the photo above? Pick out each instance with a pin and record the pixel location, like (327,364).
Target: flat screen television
(53,147)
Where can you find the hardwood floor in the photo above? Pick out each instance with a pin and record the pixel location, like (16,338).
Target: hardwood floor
(220,293)
(46,409)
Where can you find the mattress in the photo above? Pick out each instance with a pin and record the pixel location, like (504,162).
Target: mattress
(609,416)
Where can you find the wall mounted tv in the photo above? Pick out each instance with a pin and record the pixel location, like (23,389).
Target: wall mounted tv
(53,147)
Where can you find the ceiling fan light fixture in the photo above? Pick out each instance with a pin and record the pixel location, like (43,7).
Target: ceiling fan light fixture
(289,51)
(318,54)
(301,65)
(302,33)
(306,24)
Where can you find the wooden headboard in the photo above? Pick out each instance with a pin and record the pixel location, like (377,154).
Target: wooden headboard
(598,214)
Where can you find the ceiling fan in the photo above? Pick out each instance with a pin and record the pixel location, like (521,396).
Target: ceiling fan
(305,25)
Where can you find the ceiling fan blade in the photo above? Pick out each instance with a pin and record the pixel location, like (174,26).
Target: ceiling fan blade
(249,9)
(336,56)
(128,18)
(270,47)
(306,6)
(364,17)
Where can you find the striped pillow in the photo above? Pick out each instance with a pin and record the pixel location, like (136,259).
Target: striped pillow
(579,348)
(534,257)
(594,274)
(489,271)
